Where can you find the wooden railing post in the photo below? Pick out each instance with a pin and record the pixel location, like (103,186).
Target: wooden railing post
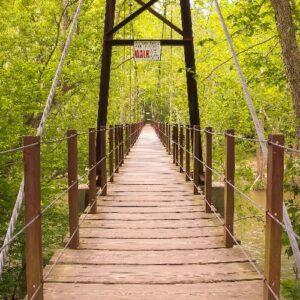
(229,190)
(187,154)
(176,143)
(169,139)
(33,233)
(116,127)
(196,154)
(274,208)
(127,139)
(122,144)
(165,135)
(73,191)
(92,172)
(181,143)
(173,144)
(161,133)
(134,130)
(103,174)
(208,168)
(111,153)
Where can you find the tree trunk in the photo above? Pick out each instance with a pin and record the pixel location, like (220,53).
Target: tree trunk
(290,52)
(65,20)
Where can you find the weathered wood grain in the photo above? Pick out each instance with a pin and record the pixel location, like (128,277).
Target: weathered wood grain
(152,274)
(150,216)
(151,224)
(152,244)
(151,240)
(242,290)
(148,257)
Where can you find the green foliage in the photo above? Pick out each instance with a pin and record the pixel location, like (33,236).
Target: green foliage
(291,289)
(31,39)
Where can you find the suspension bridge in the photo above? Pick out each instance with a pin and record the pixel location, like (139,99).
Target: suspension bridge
(150,229)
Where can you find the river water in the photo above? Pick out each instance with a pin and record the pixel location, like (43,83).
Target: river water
(250,230)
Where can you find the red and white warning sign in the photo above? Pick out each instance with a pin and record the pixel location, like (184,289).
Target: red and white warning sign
(146,50)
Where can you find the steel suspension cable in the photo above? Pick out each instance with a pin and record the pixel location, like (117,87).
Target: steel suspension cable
(287,221)
(19,200)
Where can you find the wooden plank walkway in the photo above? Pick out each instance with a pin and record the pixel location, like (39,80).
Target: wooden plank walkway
(151,240)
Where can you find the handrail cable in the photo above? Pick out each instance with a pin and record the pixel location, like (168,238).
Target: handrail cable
(212,208)
(221,176)
(286,218)
(59,197)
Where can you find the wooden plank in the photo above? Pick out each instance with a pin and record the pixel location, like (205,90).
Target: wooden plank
(150,216)
(151,224)
(172,257)
(152,197)
(150,188)
(151,233)
(159,204)
(151,240)
(152,274)
(244,290)
(151,209)
(152,244)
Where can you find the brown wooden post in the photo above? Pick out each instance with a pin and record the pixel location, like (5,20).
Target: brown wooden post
(208,168)
(170,138)
(73,192)
(164,134)
(229,190)
(103,174)
(176,143)
(116,148)
(121,145)
(92,172)
(196,152)
(274,207)
(187,153)
(161,133)
(111,153)
(123,142)
(33,233)
(181,149)
(173,143)
(133,135)
(167,137)
(127,139)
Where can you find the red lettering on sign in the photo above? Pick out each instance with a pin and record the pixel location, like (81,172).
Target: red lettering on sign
(142,53)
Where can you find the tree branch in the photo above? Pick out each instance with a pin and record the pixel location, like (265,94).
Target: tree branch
(239,53)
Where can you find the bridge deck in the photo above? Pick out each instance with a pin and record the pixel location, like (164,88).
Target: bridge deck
(151,239)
